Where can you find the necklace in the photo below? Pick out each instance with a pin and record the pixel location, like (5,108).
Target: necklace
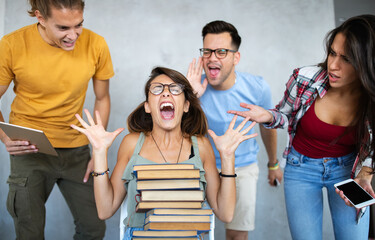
(179,153)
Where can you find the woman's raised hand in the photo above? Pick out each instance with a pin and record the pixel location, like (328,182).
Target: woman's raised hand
(228,143)
(95,132)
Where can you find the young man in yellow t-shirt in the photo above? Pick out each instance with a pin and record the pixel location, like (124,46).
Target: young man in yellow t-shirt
(51,63)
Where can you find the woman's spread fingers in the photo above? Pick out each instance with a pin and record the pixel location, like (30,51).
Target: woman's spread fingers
(231,124)
(89,117)
(76,128)
(83,123)
(246,130)
(242,124)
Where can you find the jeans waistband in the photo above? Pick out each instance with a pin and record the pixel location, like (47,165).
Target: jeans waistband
(340,160)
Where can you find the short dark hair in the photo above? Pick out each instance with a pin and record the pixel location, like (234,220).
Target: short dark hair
(44,6)
(193,122)
(218,26)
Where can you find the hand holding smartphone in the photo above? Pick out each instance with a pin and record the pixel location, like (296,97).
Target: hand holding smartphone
(355,193)
(276,182)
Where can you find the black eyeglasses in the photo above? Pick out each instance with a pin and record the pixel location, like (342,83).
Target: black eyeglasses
(174,88)
(219,52)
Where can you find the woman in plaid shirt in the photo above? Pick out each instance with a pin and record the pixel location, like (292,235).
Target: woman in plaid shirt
(329,111)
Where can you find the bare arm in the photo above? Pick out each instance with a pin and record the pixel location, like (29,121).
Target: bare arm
(221,191)
(103,106)
(269,138)
(108,193)
(102,100)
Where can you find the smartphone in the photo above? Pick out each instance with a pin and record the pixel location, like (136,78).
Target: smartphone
(276,182)
(355,193)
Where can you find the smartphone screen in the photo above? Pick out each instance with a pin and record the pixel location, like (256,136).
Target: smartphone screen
(354,193)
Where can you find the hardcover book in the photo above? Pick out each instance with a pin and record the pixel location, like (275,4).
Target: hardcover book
(145,206)
(165,233)
(177,218)
(199,226)
(172,195)
(168,174)
(179,211)
(168,184)
(164,238)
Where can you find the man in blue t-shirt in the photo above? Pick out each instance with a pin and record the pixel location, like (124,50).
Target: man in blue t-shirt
(220,89)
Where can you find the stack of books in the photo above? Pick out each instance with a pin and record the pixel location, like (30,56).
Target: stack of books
(171,198)
(168,186)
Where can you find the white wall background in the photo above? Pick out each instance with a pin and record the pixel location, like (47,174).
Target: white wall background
(278,36)
(2,16)
(345,9)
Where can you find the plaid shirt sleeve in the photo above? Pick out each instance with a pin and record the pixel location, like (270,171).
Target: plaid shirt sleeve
(284,110)
(284,114)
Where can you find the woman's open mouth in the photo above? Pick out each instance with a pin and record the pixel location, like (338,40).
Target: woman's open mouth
(167,111)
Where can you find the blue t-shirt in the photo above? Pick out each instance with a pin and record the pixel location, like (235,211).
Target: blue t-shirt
(215,103)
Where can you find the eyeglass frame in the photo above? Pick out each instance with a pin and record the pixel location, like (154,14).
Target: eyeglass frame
(166,85)
(201,50)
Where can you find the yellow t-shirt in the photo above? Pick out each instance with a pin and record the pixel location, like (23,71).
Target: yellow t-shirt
(50,83)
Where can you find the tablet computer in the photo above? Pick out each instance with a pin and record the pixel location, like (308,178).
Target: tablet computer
(34,136)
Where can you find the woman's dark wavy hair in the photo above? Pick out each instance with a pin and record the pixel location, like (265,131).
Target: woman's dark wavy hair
(359,32)
(193,122)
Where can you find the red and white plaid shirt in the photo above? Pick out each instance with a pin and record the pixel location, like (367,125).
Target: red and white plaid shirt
(303,87)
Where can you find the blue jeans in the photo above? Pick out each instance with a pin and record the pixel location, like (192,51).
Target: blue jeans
(304,179)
